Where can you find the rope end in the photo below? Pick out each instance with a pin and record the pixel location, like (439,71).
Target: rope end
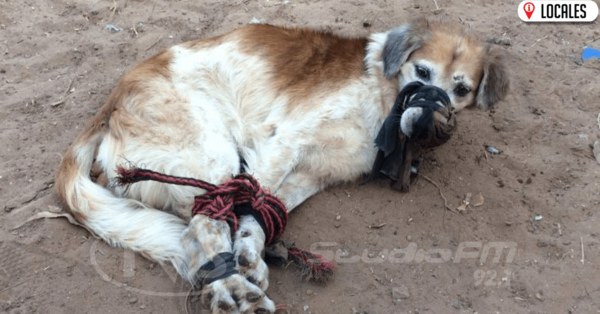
(126,175)
(312,266)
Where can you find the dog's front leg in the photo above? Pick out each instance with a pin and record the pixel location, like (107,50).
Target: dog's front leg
(248,247)
(232,294)
(250,238)
(297,187)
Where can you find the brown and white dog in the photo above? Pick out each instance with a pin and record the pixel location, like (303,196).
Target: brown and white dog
(296,108)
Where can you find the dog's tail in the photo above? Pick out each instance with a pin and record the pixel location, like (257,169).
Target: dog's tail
(122,222)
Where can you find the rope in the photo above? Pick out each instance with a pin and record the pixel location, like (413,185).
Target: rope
(231,199)
(218,202)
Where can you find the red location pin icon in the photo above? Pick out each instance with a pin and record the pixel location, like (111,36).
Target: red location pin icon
(529,8)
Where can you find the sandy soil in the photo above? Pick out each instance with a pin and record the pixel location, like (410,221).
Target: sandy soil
(58,63)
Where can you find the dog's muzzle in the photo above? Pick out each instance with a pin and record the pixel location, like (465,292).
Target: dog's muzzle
(421,119)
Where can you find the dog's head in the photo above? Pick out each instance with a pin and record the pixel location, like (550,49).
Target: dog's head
(445,56)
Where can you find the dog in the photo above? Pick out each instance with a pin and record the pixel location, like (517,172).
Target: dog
(298,109)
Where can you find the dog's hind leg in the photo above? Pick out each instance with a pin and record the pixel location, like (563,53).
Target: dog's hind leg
(231,293)
(128,218)
(205,239)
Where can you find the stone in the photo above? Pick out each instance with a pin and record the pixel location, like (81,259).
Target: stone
(400,293)
(256,20)
(539,296)
(597,150)
(502,41)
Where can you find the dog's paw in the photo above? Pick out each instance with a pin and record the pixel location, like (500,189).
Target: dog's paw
(248,247)
(235,294)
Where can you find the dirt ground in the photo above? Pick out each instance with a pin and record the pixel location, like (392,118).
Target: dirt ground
(58,63)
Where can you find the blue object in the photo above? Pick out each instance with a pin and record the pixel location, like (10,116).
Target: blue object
(113,28)
(590,53)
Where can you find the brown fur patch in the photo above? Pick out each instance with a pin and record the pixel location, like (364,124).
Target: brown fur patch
(127,87)
(138,106)
(303,61)
(453,49)
(64,177)
(205,42)
(132,85)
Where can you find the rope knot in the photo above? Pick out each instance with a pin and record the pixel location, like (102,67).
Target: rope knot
(230,200)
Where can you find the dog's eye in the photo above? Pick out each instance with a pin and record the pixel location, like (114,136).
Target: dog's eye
(423,73)
(461,90)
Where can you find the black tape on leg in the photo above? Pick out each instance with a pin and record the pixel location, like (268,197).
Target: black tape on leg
(246,209)
(220,267)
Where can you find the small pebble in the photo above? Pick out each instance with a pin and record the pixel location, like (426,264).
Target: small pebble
(596,151)
(400,293)
(256,20)
(503,41)
(493,150)
(366,23)
(539,296)
(113,28)
(539,217)
(408,238)
(133,300)
(309,292)
(338,217)
(337,224)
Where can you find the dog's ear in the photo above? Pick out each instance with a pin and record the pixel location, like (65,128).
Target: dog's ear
(494,84)
(400,43)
